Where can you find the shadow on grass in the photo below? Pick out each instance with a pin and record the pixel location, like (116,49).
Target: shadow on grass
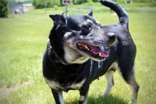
(102,100)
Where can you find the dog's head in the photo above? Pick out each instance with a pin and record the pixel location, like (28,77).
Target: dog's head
(77,38)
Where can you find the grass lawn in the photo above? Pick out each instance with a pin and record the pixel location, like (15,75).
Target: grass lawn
(23,39)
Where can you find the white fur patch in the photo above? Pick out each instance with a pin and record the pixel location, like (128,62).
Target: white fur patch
(71,56)
(61,98)
(56,85)
(77,85)
(82,98)
(53,84)
(67,34)
(109,78)
(114,65)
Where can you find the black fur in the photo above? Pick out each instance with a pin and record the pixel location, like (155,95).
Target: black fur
(56,68)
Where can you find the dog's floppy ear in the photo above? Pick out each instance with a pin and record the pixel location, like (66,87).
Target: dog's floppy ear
(58,19)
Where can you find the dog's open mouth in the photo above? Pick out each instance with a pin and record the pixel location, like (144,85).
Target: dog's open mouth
(92,50)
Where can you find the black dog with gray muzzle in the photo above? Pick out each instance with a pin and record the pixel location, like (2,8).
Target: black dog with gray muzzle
(80,50)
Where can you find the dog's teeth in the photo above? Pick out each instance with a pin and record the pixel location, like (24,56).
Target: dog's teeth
(86,47)
(100,54)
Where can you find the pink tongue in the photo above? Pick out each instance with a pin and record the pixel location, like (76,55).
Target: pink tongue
(95,51)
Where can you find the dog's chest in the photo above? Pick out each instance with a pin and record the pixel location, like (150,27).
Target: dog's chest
(65,86)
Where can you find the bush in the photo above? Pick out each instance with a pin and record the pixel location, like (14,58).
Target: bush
(3,8)
(45,3)
(144,0)
(79,1)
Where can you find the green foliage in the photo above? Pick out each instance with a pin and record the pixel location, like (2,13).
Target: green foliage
(45,3)
(120,1)
(123,1)
(95,0)
(144,0)
(3,8)
(51,3)
(79,1)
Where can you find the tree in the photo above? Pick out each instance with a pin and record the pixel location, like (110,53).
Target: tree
(61,2)
(129,1)
(3,8)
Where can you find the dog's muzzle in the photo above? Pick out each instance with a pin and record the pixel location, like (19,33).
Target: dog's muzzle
(96,51)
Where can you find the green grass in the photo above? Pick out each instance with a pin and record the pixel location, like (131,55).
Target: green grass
(23,39)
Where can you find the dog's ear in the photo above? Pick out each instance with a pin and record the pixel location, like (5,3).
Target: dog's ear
(58,19)
(90,13)
(112,37)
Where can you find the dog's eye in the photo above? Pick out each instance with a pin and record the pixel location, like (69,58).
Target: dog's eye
(86,28)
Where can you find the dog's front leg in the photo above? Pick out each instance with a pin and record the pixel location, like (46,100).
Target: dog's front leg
(84,94)
(58,96)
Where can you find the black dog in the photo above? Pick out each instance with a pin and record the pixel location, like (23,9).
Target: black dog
(80,50)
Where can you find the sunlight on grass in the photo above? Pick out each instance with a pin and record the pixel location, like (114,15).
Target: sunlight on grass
(23,39)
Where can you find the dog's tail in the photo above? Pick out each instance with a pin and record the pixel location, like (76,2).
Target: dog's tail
(122,14)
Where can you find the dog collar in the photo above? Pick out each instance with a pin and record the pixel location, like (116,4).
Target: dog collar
(62,61)
(57,58)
